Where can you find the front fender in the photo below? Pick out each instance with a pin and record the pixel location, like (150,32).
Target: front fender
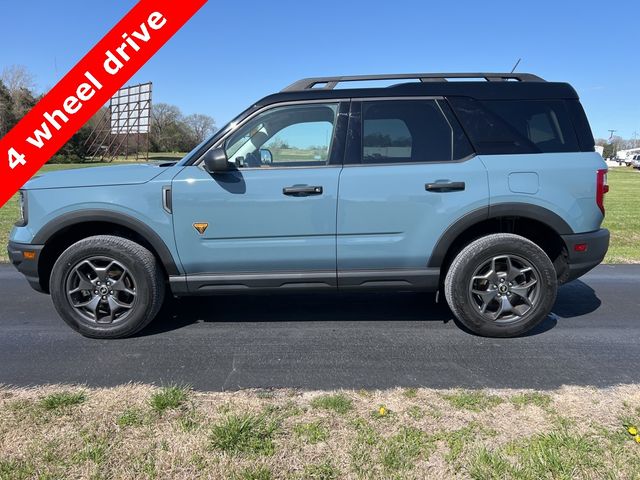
(136,207)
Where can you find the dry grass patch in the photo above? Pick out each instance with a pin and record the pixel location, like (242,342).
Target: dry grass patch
(118,433)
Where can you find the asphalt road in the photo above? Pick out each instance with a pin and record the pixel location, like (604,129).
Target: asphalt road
(330,341)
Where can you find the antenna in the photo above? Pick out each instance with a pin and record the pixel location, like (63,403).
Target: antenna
(515,66)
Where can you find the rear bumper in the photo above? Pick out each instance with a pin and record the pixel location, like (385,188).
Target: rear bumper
(580,263)
(28,267)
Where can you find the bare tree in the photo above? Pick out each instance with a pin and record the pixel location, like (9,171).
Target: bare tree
(16,78)
(202,126)
(167,128)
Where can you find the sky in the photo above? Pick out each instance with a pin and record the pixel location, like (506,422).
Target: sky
(231,54)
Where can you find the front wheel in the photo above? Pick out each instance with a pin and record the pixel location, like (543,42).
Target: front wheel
(501,285)
(107,287)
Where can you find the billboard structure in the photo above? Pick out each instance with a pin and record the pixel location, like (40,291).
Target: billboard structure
(122,129)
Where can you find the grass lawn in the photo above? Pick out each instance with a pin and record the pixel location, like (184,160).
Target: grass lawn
(622,204)
(138,431)
(153,157)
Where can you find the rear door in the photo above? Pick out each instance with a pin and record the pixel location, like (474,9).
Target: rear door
(409,174)
(271,222)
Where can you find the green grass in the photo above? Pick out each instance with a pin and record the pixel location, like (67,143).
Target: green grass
(94,450)
(410,392)
(338,403)
(401,451)
(473,400)
(541,400)
(623,215)
(131,417)
(16,470)
(312,432)
(168,398)
(320,471)
(457,440)
(244,434)
(254,473)
(60,400)
(559,454)
(153,157)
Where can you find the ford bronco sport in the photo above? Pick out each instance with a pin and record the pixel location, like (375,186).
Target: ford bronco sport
(486,188)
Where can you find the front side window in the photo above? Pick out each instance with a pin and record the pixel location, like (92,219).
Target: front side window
(290,136)
(407,131)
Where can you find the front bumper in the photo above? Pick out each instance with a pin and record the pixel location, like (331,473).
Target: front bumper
(25,265)
(580,262)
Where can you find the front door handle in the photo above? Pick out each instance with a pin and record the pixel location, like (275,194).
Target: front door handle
(302,190)
(445,187)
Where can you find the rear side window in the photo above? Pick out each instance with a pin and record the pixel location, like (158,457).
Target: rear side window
(408,131)
(517,126)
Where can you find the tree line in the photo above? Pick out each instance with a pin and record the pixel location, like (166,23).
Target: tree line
(615,144)
(169,129)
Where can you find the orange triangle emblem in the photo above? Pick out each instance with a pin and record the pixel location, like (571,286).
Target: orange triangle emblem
(200,227)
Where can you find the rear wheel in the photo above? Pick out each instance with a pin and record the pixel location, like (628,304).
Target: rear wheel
(107,287)
(501,285)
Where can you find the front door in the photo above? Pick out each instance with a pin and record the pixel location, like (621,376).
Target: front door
(271,221)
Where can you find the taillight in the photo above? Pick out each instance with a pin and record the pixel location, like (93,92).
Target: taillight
(601,188)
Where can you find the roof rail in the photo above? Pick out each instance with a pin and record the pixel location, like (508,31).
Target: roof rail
(329,83)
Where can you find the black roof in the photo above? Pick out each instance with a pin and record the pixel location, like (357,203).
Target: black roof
(490,86)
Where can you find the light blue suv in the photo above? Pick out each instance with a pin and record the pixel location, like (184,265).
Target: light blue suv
(487,189)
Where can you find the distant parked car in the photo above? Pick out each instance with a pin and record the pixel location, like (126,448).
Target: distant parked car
(635,163)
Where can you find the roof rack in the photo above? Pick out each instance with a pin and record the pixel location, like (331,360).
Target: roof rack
(329,83)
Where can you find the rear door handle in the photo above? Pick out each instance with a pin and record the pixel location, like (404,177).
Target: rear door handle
(444,187)
(302,190)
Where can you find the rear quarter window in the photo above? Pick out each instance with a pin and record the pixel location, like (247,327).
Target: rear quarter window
(517,126)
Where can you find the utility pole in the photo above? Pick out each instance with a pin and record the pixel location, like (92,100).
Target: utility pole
(615,153)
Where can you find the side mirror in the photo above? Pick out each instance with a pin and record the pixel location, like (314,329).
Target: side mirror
(266,157)
(215,160)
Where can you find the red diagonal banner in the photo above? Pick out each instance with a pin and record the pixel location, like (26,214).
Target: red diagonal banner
(87,87)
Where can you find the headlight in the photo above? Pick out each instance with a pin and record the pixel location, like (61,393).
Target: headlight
(22,209)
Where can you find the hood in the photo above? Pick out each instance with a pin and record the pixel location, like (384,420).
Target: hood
(131,174)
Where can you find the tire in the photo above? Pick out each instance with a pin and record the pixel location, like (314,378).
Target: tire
(107,287)
(490,285)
